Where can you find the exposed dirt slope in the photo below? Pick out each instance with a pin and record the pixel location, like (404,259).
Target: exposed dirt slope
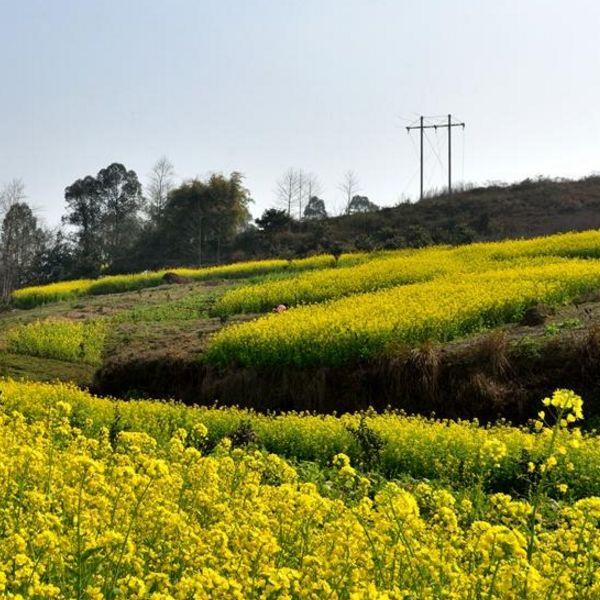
(496,374)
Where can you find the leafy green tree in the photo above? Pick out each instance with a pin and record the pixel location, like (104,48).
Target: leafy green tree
(120,194)
(104,210)
(54,262)
(84,212)
(201,217)
(315,209)
(273,220)
(361,204)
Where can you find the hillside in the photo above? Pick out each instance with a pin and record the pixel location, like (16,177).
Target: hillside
(318,483)
(441,329)
(530,208)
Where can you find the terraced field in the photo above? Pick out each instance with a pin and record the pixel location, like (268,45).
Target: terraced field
(355,311)
(138,498)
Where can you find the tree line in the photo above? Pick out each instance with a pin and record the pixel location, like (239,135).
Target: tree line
(114,224)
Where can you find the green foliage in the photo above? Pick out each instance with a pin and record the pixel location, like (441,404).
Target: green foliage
(192,306)
(104,209)
(370,444)
(273,220)
(315,208)
(361,204)
(199,219)
(555,328)
(244,435)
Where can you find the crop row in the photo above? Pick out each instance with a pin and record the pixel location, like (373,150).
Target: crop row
(32,296)
(400,269)
(584,244)
(446,451)
(118,514)
(368,325)
(386,272)
(330,283)
(61,339)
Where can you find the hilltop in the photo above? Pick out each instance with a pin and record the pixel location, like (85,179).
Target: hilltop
(529,208)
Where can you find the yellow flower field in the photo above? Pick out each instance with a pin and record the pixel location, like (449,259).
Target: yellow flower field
(406,267)
(120,515)
(29,297)
(325,284)
(446,451)
(63,339)
(367,325)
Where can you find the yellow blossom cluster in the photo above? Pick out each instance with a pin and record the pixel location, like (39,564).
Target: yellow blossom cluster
(453,453)
(122,516)
(566,401)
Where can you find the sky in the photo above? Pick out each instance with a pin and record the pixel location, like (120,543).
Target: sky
(259,86)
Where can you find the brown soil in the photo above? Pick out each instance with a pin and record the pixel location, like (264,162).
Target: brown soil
(174,278)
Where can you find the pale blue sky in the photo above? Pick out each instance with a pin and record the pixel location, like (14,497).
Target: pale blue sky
(262,85)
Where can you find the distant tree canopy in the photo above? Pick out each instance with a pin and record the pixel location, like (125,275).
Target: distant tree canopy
(105,212)
(55,261)
(199,220)
(315,209)
(84,212)
(120,195)
(361,204)
(274,220)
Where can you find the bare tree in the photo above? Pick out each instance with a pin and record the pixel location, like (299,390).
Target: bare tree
(314,187)
(294,190)
(11,193)
(287,189)
(301,189)
(160,182)
(349,186)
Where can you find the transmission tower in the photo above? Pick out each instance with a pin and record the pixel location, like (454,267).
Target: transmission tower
(447,125)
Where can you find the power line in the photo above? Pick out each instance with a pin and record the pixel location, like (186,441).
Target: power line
(422,126)
(436,150)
